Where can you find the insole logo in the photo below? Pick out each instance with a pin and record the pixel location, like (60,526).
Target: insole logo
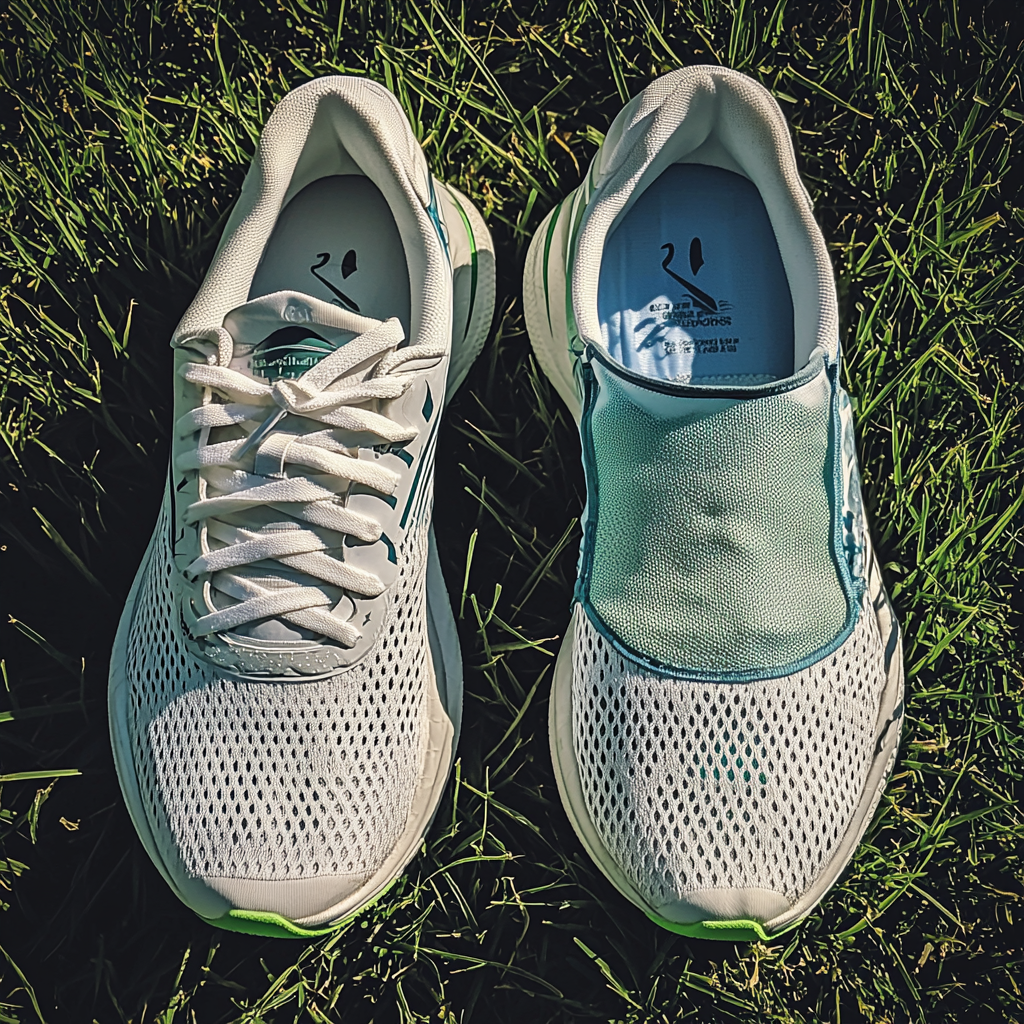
(680,327)
(348,267)
(700,298)
(696,256)
(288,352)
(696,309)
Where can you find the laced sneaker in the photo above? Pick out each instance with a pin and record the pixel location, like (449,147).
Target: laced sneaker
(286,683)
(727,701)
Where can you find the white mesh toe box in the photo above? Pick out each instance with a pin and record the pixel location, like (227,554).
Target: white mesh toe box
(276,781)
(711,786)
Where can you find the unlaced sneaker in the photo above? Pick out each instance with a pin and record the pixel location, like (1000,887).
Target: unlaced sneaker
(727,701)
(286,683)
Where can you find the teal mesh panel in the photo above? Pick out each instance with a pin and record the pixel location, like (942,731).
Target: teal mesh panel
(712,545)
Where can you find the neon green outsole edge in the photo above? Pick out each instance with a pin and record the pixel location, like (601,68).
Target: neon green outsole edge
(723,931)
(274,926)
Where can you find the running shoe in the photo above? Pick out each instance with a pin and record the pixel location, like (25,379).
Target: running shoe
(727,701)
(286,683)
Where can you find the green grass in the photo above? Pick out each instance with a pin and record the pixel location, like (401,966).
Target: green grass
(125,139)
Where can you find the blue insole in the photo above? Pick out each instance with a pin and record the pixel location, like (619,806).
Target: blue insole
(692,286)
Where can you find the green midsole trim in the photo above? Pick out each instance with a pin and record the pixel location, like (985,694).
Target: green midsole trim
(265,923)
(271,925)
(740,930)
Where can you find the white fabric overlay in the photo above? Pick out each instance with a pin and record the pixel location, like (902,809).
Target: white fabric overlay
(268,780)
(696,786)
(331,125)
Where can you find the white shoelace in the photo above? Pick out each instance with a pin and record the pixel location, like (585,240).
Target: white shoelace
(227,486)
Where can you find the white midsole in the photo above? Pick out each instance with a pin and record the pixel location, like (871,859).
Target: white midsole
(546,326)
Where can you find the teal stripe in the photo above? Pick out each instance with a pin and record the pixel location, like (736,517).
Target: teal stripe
(419,470)
(473,257)
(421,498)
(579,207)
(433,213)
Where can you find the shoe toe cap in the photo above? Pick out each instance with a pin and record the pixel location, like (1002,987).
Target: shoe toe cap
(724,906)
(304,901)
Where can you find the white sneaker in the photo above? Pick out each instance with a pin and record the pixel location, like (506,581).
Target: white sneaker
(286,683)
(727,702)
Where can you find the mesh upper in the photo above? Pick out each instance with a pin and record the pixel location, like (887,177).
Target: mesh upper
(268,780)
(695,786)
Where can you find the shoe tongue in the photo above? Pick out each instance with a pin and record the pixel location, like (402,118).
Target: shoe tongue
(286,333)
(728,561)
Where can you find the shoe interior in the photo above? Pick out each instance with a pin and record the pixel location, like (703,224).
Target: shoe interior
(692,287)
(337,240)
